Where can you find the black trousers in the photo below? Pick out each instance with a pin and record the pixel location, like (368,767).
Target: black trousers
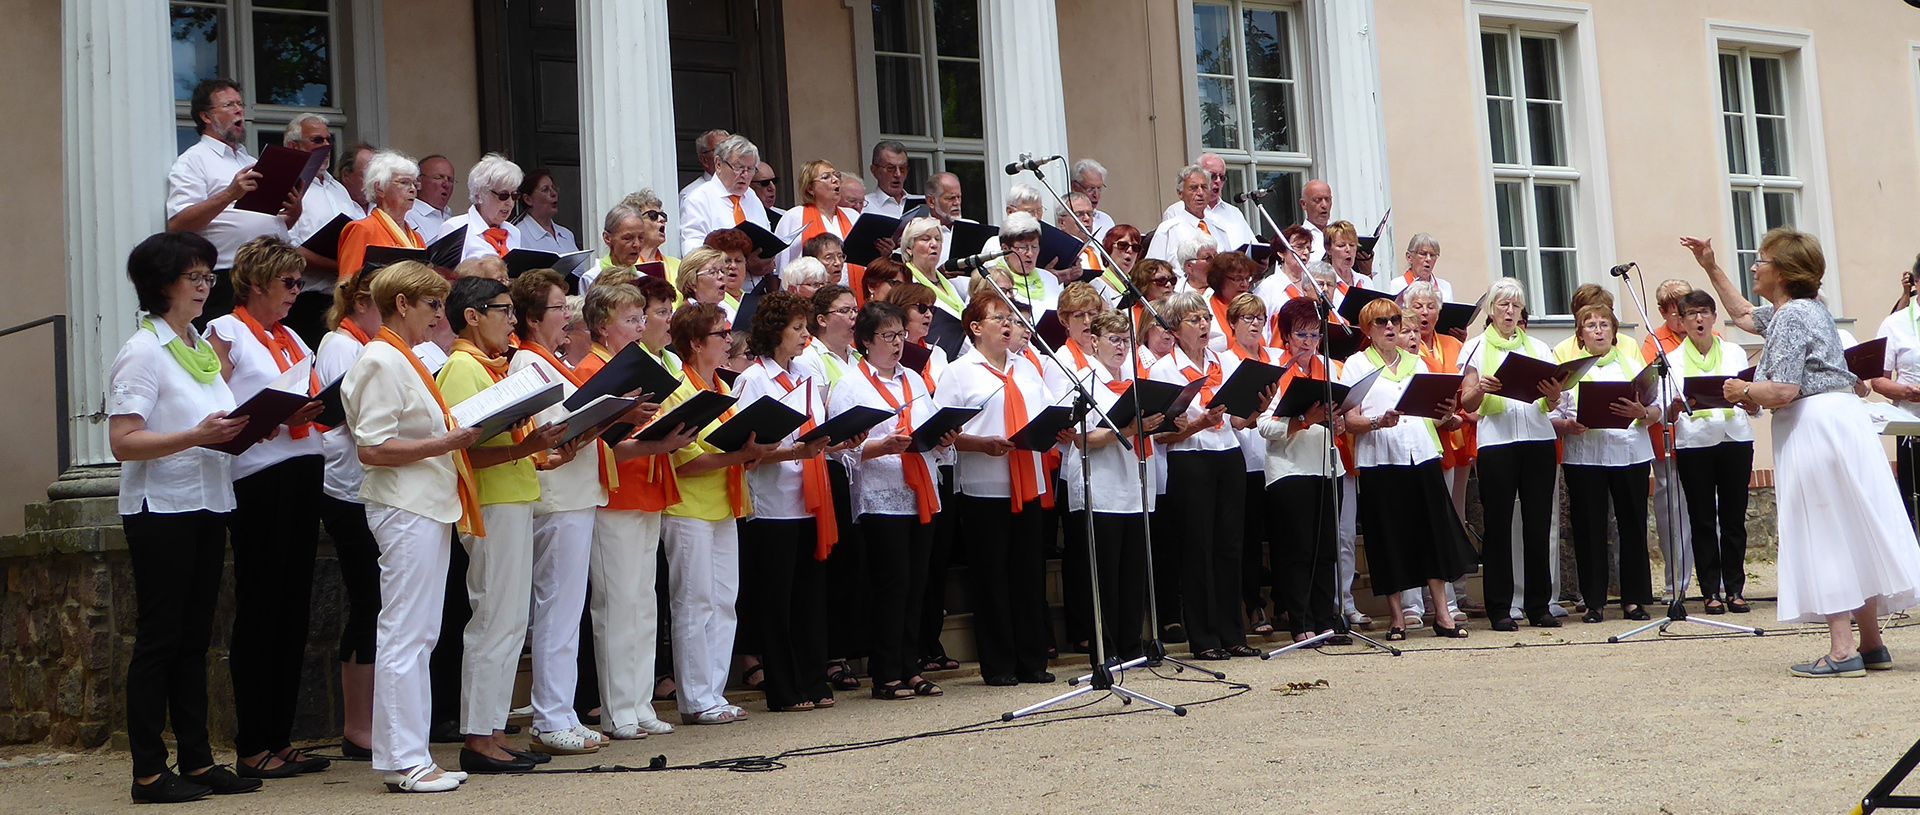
(780,593)
(275,528)
(359,558)
(1121,549)
(176,559)
(1906,470)
(1715,479)
(1076,593)
(1589,490)
(846,577)
(586,678)
(1254,575)
(308,316)
(444,665)
(897,551)
(1523,470)
(942,553)
(1207,489)
(1008,567)
(1303,525)
(1166,562)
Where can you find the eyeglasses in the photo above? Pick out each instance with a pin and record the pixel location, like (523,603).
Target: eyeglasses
(746,171)
(198,278)
(654,215)
(891,336)
(1002,319)
(1427,253)
(1199,319)
(728,333)
(405,182)
(1254,320)
(1092,189)
(1026,249)
(1162,280)
(766,182)
(833,257)
(434,303)
(847,312)
(291,283)
(507,308)
(1309,336)
(830,175)
(1118,339)
(710,271)
(1239,278)
(1698,312)
(502,196)
(320,139)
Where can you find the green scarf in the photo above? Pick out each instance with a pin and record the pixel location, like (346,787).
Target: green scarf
(1028,287)
(1403,369)
(200,360)
(942,290)
(1629,364)
(1491,405)
(1708,364)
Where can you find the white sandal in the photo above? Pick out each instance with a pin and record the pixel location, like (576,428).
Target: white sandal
(718,715)
(416,780)
(593,737)
(561,743)
(655,727)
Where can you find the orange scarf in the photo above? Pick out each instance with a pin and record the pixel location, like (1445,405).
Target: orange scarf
(813,224)
(609,475)
(736,475)
(1242,353)
(404,236)
(1079,357)
(926,496)
(1220,315)
(285,353)
(1050,457)
(497,238)
(651,489)
(353,330)
(1024,481)
(469,488)
(1212,375)
(817,492)
(497,369)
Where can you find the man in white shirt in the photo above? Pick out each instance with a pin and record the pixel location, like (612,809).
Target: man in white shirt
(853,194)
(703,150)
(1316,200)
(727,200)
(1226,222)
(765,184)
(1090,179)
(430,210)
(1187,217)
(943,202)
(889,168)
(210,176)
(324,199)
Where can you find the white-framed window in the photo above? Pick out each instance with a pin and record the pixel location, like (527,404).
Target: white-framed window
(926,90)
(1763,188)
(1534,179)
(286,55)
(1250,102)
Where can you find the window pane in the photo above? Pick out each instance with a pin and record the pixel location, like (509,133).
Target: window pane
(918,169)
(960,100)
(1779,209)
(1513,263)
(1272,115)
(1284,202)
(197,47)
(896,26)
(902,101)
(1493,57)
(1557,276)
(1268,51)
(1213,38)
(1771,134)
(973,187)
(1744,237)
(1219,115)
(1736,132)
(292,60)
(1541,60)
(184,136)
(1767,98)
(1500,131)
(956,29)
(1553,215)
(1730,83)
(1546,134)
(1510,209)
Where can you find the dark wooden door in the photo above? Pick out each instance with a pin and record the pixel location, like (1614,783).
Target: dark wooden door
(729,71)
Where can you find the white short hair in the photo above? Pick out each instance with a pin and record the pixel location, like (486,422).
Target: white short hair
(1419,290)
(1022,195)
(1506,288)
(1017,226)
(617,215)
(493,170)
(1087,165)
(1191,169)
(381,170)
(643,200)
(1421,241)
(293,127)
(736,146)
(1322,270)
(1191,245)
(805,271)
(917,227)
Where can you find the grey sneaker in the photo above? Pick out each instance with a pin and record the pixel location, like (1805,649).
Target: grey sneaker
(1825,667)
(1878,659)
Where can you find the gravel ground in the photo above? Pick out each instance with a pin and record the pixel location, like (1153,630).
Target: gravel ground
(1554,721)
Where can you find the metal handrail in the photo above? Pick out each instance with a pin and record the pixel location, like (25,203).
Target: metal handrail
(62,443)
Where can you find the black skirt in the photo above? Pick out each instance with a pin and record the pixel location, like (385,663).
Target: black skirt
(1412,533)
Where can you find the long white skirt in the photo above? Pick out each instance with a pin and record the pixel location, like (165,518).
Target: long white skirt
(1844,536)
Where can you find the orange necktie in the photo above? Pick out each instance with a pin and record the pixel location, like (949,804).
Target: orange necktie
(1025,482)
(739,215)
(1203,228)
(813,483)
(926,496)
(498,238)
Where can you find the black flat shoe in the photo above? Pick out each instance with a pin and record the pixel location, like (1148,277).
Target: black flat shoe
(222,781)
(447,732)
(304,763)
(1212,655)
(482,764)
(1002,680)
(1243,651)
(1638,613)
(1037,678)
(287,769)
(1544,621)
(355,751)
(528,755)
(1594,616)
(1396,634)
(169,789)
(1505,624)
(1738,605)
(1173,632)
(1713,609)
(1454,633)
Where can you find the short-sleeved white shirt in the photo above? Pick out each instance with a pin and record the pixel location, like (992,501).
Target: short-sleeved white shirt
(146,381)
(1520,421)
(969,382)
(343,474)
(205,169)
(253,370)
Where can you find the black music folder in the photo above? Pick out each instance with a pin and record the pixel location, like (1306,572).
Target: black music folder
(1520,375)
(448,250)
(1241,392)
(1058,248)
(326,242)
(1453,316)
(1868,359)
(268,409)
(1039,432)
(1706,392)
(389,255)
(767,243)
(928,435)
(595,418)
(521,261)
(631,369)
(852,422)
(870,227)
(916,356)
(1594,404)
(1425,393)
(1303,393)
(282,170)
(696,413)
(1357,299)
(768,420)
(333,405)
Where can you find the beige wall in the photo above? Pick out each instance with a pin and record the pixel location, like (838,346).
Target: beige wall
(432,84)
(1125,104)
(823,105)
(35,282)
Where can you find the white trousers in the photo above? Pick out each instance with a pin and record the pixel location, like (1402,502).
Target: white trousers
(499,585)
(562,542)
(1676,536)
(703,580)
(626,616)
(414,551)
(1349,523)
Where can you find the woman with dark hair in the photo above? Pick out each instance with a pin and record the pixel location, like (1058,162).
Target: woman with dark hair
(827,248)
(167,400)
(1302,472)
(276,517)
(879,278)
(1123,244)
(734,247)
(828,359)
(1246,328)
(539,202)
(1229,275)
(916,303)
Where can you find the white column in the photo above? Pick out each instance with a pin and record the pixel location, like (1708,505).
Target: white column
(626,110)
(1025,104)
(1351,140)
(117,142)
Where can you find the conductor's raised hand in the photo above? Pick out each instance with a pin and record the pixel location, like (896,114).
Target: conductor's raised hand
(1702,249)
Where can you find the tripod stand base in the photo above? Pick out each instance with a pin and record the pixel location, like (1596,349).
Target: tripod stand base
(1882,797)
(1677,613)
(1316,639)
(1156,656)
(1126,697)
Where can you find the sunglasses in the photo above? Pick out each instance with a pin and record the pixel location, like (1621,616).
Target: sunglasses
(502,196)
(1163,280)
(1125,246)
(923,308)
(654,215)
(766,182)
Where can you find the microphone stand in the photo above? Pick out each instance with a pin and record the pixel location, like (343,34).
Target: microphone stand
(1341,629)
(1683,555)
(1155,653)
(1084,407)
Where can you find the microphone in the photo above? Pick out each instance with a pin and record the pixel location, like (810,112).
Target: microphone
(1621,270)
(972,262)
(1251,195)
(1028,162)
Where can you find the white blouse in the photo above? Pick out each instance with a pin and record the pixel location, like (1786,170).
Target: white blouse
(575,484)
(793,223)
(253,370)
(1252,446)
(1410,442)
(1115,470)
(146,381)
(879,485)
(476,244)
(1714,426)
(1520,421)
(969,382)
(1169,369)
(1305,453)
(776,488)
(343,474)
(1617,447)
(386,399)
(1903,351)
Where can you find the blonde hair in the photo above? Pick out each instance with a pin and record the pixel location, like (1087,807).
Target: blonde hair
(1244,304)
(262,260)
(411,278)
(347,293)
(692,265)
(811,172)
(615,276)
(1080,296)
(603,302)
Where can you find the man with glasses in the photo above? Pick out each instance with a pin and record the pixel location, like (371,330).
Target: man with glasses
(1186,218)
(430,210)
(765,184)
(1228,224)
(703,151)
(889,168)
(1090,179)
(209,177)
(728,199)
(325,198)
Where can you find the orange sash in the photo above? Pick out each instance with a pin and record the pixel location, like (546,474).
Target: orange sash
(736,475)
(470,521)
(1024,481)
(609,475)
(817,491)
(649,485)
(1213,379)
(353,330)
(497,369)
(285,353)
(926,495)
(1458,447)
